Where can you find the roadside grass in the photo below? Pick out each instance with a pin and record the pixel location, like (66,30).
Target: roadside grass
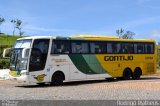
(7,40)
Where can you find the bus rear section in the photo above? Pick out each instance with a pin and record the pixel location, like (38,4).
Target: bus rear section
(126,60)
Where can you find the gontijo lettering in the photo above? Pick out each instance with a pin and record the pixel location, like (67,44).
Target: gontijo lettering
(118,58)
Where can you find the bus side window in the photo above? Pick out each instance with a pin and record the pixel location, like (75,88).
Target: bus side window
(80,47)
(116,47)
(98,47)
(149,48)
(109,47)
(60,47)
(127,48)
(113,47)
(140,48)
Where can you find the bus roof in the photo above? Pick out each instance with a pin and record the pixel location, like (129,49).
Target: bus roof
(95,36)
(34,37)
(88,37)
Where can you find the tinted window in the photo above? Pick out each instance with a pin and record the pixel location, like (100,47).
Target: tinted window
(80,47)
(113,47)
(127,48)
(60,47)
(139,48)
(98,47)
(39,54)
(149,48)
(42,45)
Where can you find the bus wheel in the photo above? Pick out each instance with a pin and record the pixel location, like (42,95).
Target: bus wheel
(127,74)
(109,79)
(137,73)
(57,79)
(119,78)
(41,84)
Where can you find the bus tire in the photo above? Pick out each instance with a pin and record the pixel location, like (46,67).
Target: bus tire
(109,79)
(137,74)
(119,78)
(57,79)
(127,73)
(41,84)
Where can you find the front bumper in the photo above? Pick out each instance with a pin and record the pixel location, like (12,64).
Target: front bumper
(20,79)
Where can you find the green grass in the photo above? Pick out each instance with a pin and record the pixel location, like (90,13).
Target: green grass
(7,40)
(4,63)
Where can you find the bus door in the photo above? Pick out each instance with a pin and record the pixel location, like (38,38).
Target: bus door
(38,71)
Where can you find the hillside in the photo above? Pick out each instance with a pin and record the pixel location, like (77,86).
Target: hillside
(7,40)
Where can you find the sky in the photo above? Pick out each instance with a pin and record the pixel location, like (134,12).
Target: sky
(70,17)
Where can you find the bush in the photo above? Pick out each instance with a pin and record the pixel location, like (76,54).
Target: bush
(4,63)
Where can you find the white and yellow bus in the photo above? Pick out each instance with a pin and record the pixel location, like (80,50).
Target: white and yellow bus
(53,60)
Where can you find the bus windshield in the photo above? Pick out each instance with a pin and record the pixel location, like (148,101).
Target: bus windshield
(20,53)
(23,43)
(19,59)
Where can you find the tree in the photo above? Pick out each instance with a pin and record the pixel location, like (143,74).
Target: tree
(17,24)
(125,35)
(1,21)
(14,25)
(19,27)
(120,32)
(128,35)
